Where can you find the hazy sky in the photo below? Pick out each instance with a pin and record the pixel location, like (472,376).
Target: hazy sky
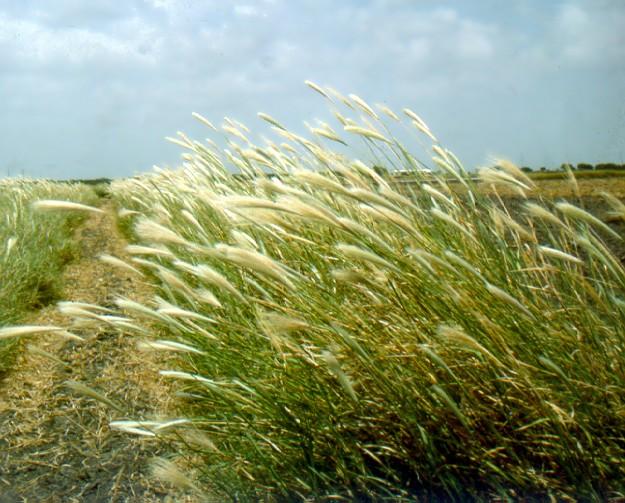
(90,88)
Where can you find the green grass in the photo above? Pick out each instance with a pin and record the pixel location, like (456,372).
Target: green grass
(34,247)
(340,340)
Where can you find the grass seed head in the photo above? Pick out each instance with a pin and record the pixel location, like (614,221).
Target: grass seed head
(167,471)
(335,368)
(255,261)
(63,205)
(153,232)
(26,330)
(360,254)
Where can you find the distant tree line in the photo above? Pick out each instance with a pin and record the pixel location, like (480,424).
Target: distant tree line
(91,181)
(582,166)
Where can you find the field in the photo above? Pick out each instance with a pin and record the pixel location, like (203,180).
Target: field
(311,330)
(34,248)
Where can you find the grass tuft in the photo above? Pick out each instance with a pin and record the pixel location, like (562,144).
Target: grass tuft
(34,247)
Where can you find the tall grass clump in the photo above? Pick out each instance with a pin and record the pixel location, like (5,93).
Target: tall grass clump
(34,246)
(340,336)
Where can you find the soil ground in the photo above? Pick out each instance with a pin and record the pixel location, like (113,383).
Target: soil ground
(55,445)
(587,195)
(589,191)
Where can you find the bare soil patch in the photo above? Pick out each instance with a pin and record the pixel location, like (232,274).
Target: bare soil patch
(587,195)
(56,446)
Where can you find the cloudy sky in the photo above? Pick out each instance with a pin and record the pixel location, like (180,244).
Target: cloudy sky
(90,88)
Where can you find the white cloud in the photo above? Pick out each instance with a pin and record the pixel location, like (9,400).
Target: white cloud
(107,73)
(587,35)
(418,49)
(573,20)
(246,10)
(161,4)
(445,15)
(474,41)
(35,44)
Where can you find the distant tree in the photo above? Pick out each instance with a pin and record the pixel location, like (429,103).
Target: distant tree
(564,166)
(607,165)
(526,169)
(584,166)
(542,168)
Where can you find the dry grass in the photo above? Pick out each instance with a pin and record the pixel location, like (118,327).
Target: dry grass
(587,188)
(373,344)
(34,247)
(56,444)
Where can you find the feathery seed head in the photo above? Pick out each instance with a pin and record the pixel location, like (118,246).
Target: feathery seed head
(124,212)
(542,213)
(10,244)
(316,88)
(335,368)
(357,253)
(387,111)
(209,275)
(255,261)
(63,205)
(366,133)
(559,254)
(508,299)
(577,213)
(362,104)
(25,330)
(513,170)
(280,324)
(151,231)
(203,120)
(161,345)
(149,250)
(167,471)
(116,262)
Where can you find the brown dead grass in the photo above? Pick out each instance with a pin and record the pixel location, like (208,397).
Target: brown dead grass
(587,195)
(56,445)
(563,188)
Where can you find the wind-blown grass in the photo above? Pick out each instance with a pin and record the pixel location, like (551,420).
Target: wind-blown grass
(34,246)
(338,338)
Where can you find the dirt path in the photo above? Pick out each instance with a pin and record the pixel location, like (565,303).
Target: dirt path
(56,446)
